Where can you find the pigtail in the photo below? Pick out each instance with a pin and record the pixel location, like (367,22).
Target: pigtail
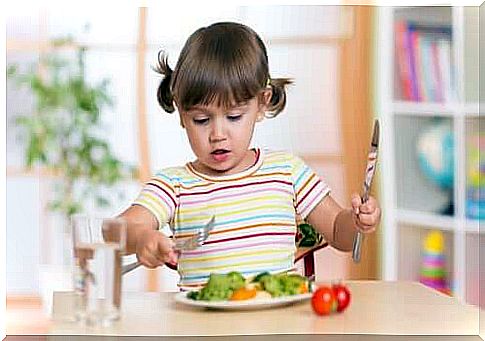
(278,98)
(164,92)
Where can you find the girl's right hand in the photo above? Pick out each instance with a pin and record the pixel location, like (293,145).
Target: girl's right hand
(154,249)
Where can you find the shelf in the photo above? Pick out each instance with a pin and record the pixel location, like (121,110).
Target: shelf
(437,221)
(412,200)
(473,226)
(427,220)
(435,109)
(471,109)
(424,108)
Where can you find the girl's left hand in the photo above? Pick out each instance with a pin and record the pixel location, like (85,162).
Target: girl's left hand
(366,216)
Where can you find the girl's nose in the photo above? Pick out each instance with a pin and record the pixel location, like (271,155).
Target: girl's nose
(217,131)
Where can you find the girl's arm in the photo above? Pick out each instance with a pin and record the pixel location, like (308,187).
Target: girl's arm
(152,248)
(139,219)
(339,225)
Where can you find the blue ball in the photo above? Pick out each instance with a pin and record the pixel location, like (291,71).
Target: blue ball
(435,149)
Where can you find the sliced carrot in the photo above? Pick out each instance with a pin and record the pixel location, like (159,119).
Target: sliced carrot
(243,294)
(303,289)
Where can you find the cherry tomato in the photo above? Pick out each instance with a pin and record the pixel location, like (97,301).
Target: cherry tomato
(323,301)
(342,296)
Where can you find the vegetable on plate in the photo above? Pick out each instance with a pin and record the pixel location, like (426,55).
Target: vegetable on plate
(234,287)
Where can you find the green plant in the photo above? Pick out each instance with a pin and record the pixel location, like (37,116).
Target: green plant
(65,132)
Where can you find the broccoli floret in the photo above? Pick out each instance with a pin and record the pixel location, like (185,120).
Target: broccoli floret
(235,280)
(282,284)
(220,287)
(260,276)
(193,295)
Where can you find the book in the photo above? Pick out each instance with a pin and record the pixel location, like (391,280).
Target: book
(418,66)
(403,62)
(444,51)
(437,78)
(427,67)
(424,61)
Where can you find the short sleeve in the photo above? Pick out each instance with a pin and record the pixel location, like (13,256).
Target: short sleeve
(308,187)
(159,197)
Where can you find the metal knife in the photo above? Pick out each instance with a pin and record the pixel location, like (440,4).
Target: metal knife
(369,175)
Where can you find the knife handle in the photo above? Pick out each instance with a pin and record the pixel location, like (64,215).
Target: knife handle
(356,248)
(127,268)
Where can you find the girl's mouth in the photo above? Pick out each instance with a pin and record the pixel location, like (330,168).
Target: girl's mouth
(220,155)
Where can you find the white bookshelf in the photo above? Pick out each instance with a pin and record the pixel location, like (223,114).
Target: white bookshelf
(410,201)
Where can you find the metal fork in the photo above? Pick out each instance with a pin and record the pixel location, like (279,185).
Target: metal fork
(190,243)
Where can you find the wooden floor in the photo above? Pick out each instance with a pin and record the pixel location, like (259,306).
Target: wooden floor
(25,316)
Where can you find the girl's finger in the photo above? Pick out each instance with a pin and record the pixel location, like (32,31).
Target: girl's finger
(169,256)
(375,214)
(356,220)
(149,260)
(172,257)
(356,200)
(164,247)
(369,206)
(368,229)
(356,203)
(161,257)
(162,251)
(367,219)
(363,224)
(147,264)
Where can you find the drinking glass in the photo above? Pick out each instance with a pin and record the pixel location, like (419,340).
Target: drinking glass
(99,244)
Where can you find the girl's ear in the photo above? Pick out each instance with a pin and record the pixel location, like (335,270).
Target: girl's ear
(263,103)
(266,97)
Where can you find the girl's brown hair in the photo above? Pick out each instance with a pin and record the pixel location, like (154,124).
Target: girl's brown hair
(226,64)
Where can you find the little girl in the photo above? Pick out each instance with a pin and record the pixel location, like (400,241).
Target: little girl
(221,88)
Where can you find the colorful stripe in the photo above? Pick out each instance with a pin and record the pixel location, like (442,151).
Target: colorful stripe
(256,213)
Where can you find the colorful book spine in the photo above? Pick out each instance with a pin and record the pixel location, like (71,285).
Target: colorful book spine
(423,56)
(402,57)
(437,81)
(418,62)
(427,67)
(444,48)
(412,66)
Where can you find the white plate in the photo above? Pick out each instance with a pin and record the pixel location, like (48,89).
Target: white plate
(250,304)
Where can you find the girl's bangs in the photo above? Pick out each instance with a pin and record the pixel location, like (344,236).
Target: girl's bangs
(221,86)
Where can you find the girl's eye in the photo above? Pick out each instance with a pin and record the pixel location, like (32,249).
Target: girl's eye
(200,121)
(235,117)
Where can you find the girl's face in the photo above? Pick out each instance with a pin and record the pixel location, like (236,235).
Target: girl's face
(220,137)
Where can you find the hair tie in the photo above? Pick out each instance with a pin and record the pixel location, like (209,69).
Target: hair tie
(268,82)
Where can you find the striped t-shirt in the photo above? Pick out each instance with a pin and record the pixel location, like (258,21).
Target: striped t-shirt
(256,212)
